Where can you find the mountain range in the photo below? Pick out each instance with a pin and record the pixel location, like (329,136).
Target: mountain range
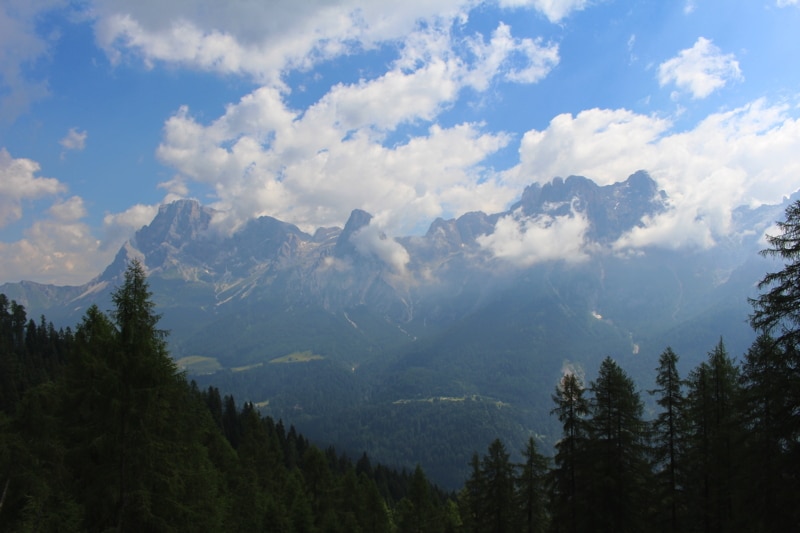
(425,348)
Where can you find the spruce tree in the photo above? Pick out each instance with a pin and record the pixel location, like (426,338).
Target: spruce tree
(713,442)
(416,512)
(777,311)
(667,445)
(770,424)
(531,490)
(618,444)
(498,475)
(570,477)
(145,467)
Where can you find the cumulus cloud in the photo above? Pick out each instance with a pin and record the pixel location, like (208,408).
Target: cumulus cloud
(262,40)
(603,144)
(53,251)
(554,10)
(18,182)
(526,60)
(313,166)
(700,70)
(58,248)
(68,210)
(525,241)
(74,140)
(118,227)
(745,156)
(370,241)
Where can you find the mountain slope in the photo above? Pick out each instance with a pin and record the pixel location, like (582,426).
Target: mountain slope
(428,329)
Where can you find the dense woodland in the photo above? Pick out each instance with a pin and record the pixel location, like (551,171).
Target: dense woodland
(99,431)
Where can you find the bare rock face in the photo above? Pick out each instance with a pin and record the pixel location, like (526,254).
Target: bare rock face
(611,210)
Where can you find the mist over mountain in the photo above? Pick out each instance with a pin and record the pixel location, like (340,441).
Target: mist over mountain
(469,325)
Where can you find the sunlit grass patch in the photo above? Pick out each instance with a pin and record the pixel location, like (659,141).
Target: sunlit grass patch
(298,357)
(197,364)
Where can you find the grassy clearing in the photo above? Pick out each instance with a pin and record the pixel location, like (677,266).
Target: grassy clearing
(297,357)
(246,367)
(196,364)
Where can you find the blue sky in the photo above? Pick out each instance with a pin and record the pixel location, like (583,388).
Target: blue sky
(410,110)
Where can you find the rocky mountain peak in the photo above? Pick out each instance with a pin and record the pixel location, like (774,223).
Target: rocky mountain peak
(358,219)
(611,209)
(175,224)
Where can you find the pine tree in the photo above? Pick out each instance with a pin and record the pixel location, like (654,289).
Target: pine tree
(416,511)
(498,476)
(770,423)
(145,467)
(668,438)
(713,440)
(618,443)
(531,491)
(470,504)
(777,311)
(570,477)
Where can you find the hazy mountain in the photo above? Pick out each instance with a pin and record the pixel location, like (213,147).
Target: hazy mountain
(343,328)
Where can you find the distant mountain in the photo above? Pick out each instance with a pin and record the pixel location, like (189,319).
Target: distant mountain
(341,329)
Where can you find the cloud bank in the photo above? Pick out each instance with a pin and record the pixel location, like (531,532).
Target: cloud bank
(745,156)
(314,166)
(524,242)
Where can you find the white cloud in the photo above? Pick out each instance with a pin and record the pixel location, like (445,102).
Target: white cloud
(527,241)
(69,210)
(784,3)
(119,227)
(519,60)
(60,248)
(700,70)
(554,10)
(53,251)
(18,182)
(313,166)
(257,39)
(264,39)
(370,241)
(74,140)
(603,144)
(743,156)
(311,173)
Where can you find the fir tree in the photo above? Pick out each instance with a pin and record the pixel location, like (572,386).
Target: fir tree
(777,311)
(770,423)
(618,444)
(531,490)
(570,477)
(668,439)
(713,438)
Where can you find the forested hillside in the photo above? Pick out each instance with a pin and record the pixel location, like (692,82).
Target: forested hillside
(100,432)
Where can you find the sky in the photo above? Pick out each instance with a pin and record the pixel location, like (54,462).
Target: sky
(410,110)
